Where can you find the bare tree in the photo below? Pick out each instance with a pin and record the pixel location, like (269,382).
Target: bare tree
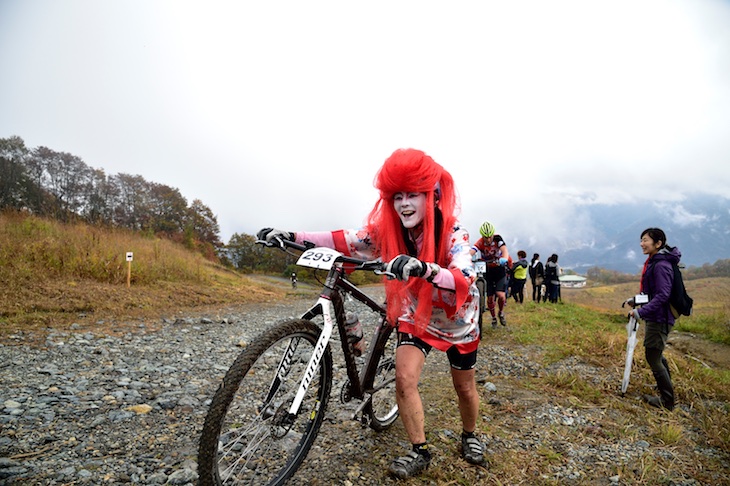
(168,209)
(18,189)
(101,195)
(131,210)
(14,179)
(65,176)
(204,223)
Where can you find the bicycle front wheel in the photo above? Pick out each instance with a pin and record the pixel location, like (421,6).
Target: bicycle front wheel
(248,436)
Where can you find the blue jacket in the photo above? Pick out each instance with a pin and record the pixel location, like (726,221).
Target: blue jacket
(657,283)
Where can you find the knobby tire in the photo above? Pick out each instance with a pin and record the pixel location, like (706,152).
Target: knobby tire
(384,408)
(247,437)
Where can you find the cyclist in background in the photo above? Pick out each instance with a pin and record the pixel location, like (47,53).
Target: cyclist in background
(433,299)
(494,252)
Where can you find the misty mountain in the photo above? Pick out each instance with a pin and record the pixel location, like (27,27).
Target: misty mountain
(699,225)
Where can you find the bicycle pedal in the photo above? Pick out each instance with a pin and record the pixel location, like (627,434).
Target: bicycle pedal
(364,421)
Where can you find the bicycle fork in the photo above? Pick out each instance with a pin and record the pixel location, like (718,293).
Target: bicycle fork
(285,363)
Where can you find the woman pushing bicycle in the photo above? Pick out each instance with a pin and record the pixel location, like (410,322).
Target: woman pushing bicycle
(433,298)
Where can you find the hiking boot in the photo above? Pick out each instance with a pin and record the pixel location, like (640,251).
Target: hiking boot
(409,465)
(666,390)
(472,450)
(657,402)
(494,323)
(502,319)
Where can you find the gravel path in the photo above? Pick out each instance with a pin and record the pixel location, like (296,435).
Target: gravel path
(96,409)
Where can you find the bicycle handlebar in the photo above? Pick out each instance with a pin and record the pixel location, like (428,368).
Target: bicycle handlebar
(375,266)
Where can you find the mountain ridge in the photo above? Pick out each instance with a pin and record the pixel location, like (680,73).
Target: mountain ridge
(608,236)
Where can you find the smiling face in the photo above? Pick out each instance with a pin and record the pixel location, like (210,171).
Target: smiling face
(649,246)
(411,208)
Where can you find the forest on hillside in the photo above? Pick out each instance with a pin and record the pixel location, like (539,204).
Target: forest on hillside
(61,186)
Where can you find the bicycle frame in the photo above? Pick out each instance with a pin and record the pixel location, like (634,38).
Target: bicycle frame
(331,306)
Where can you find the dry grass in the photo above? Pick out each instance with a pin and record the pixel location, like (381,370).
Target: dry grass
(692,443)
(55,275)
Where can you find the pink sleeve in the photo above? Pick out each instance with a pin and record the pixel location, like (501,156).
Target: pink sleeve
(445,280)
(319,238)
(349,242)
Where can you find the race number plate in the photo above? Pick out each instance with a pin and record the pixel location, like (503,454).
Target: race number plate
(481,267)
(322,258)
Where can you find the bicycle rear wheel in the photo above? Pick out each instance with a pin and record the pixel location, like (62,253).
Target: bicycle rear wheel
(383,408)
(482,286)
(248,436)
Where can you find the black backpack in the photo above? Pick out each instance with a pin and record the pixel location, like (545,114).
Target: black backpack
(680,303)
(551,273)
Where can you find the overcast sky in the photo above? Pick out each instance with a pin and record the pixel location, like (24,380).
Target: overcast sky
(280,113)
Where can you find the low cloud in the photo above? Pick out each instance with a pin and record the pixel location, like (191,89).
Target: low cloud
(683,217)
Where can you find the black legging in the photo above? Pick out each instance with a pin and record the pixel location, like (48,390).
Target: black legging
(535,290)
(518,290)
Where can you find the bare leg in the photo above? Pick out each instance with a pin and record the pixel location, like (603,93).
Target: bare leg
(501,301)
(491,305)
(466,389)
(409,362)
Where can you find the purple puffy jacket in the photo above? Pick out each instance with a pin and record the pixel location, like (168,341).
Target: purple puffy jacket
(657,283)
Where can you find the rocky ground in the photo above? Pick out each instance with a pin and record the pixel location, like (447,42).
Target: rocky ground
(110,408)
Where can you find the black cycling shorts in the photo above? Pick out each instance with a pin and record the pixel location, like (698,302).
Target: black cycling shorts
(457,360)
(497,286)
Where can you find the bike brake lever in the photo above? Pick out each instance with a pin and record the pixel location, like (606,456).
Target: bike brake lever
(276,242)
(389,275)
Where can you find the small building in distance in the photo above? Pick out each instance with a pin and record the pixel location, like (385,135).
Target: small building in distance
(572,281)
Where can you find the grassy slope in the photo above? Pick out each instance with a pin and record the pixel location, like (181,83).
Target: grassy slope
(711,309)
(53,275)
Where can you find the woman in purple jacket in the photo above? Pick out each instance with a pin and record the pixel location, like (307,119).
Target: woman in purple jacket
(656,282)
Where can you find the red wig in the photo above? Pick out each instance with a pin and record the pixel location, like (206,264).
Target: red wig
(410,170)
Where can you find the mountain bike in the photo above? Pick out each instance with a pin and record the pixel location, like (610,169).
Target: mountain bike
(481,282)
(268,410)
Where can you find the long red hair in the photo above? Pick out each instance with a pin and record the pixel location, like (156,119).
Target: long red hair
(410,170)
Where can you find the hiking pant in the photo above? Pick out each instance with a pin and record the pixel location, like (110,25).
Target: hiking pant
(655,340)
(553,291)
